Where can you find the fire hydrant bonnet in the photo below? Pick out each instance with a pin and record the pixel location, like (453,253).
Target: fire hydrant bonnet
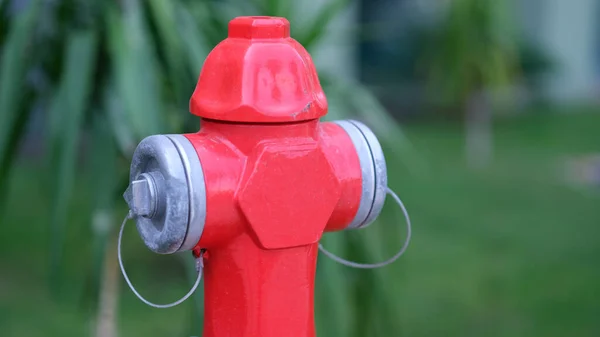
(259,74)
(170,208)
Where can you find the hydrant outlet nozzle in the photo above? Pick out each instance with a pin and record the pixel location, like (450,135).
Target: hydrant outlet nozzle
(169,206)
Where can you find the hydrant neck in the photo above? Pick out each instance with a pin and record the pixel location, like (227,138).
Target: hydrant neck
(253,292)
(245,136)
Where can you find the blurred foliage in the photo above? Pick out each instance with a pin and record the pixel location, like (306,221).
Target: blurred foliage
(105,74)
(405,52)
(473,49)
(410,59)
(534,62)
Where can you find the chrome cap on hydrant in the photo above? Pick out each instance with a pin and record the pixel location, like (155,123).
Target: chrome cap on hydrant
(253,191)
(167,193)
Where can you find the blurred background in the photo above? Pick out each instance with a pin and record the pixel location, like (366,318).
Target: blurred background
(488,112)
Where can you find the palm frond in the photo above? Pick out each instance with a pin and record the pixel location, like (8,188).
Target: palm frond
(14,66)
(70,103)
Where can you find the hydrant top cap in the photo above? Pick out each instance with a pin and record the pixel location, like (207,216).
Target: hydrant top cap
(259,74)
(259,27)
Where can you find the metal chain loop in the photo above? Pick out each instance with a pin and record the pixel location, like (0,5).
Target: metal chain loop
(386,262)
(199,268)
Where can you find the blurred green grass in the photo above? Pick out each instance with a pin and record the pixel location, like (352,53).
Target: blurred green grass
(511,250)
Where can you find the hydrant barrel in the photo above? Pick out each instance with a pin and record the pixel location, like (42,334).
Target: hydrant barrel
(257,186)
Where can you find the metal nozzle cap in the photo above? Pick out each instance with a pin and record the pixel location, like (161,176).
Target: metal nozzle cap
(373,170)
(167,193)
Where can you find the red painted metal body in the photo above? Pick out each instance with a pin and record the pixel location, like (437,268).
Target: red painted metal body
(276,179)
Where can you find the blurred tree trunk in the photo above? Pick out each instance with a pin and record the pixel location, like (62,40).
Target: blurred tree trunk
(109,290)
(478,130)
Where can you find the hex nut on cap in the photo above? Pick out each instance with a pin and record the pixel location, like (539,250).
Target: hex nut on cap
(373,171)
(141,196)
(167,193)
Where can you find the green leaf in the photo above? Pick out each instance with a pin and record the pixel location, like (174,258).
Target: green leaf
(117,117)
(71,102)
(13,69)
(165,18)
(280,8)
(471,50)
(333,292)
(214,22)
(196,46)
(2,6)
(311,34)
(225,11)
(104,180)
(136,71)
(103,165)
(378,243)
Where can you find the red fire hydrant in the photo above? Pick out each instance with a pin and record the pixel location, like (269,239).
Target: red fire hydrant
(259,184)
